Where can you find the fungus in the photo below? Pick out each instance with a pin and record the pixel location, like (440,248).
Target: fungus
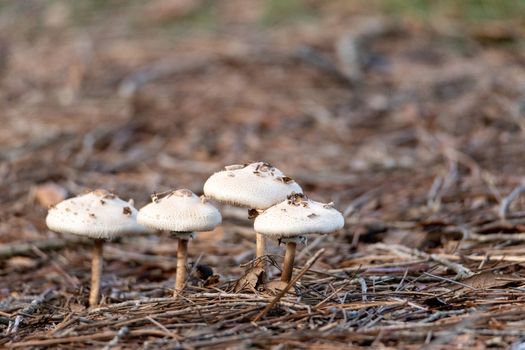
(99,215)
(256,186)
(291,220)
(182,213)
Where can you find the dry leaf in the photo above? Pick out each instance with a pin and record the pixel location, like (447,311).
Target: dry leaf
(20,262)
(487,280)
(77,308)
(275,287)
(251,280)
(411,239)
(212,281)
(49,194)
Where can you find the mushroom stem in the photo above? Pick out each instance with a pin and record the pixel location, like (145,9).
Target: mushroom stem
(96,272)
(289,257)
(260,245)
(182,255)
(260,242)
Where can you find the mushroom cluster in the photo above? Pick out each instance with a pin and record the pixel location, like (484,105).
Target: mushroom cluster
(277,203)
(256,186)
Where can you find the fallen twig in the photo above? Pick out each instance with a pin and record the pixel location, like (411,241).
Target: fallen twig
(116,339)
(306,267)
(461,271)
(507,201)
(13,326)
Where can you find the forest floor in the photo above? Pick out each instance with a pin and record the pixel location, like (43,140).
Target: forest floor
(414,128)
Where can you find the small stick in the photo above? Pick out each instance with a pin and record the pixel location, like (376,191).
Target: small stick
(306,267)
(29,310)
(364,288)
(88,337)
(163,328)
(400,250)
(507,201)
(182,256)
(96,272)
(289,257)
(492,237)
(116,339)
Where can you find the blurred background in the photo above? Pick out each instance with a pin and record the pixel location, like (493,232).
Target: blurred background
(396,110)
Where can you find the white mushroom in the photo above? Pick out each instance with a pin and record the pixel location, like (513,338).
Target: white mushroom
(254,186)
(99,215)
(294,218)
(182,213)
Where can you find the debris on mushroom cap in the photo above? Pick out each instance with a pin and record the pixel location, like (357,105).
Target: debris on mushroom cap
(183,193)
(257,185)
(234,167)
(297,199)
(96,214)
(298,216)
(180,211)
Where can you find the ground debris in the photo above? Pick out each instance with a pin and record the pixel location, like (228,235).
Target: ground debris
(414,131)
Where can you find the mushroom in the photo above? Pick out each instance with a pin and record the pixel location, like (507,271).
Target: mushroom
(256,186)
(99,215)
(291,220)
(182,213)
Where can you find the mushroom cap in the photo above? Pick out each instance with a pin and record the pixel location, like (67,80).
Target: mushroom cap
(298,216)
(179,211)
(97,214)
(256,185)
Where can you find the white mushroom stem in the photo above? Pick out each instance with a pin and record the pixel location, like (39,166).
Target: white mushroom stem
(96,272)
(182,256)
(289,257)
(260,242)
(260,245)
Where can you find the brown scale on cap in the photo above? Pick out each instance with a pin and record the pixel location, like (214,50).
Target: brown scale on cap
(264,168)
(298,199)
(285,179)
(156,196)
